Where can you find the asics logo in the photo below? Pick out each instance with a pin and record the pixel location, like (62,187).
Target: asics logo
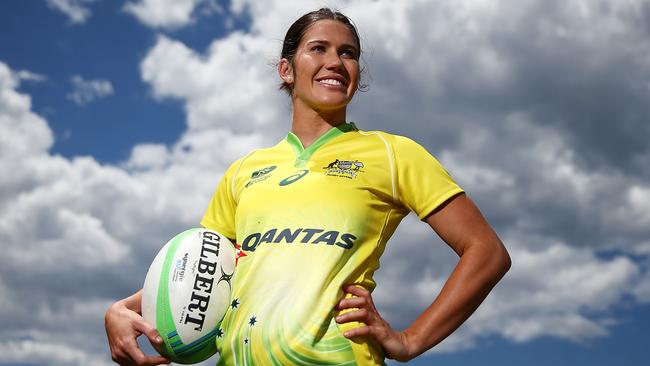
(294,177)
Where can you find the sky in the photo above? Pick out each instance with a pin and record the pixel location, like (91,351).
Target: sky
(118,118)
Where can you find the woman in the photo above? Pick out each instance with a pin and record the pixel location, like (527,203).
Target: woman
(311,217)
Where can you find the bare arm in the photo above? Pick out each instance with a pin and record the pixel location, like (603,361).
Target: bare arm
(123,325)
(483,262)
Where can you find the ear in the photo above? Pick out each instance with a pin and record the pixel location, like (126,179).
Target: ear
(285,71)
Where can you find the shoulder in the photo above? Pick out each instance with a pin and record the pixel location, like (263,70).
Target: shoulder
(404,151)
(394,142)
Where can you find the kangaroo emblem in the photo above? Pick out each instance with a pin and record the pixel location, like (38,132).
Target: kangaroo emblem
(333,164)
(344,168)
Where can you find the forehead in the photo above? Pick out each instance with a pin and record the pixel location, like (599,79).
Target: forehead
(331,31)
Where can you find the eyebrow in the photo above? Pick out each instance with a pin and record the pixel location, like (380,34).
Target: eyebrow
(344,45)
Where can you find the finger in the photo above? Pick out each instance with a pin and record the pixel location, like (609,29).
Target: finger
(356,290)
(132,351)
(154,360)
(135,356)
(352,302)
(156,341)
(141,359)
(360,315)
(357,332)
(122,359)
(149,331)
(380,334)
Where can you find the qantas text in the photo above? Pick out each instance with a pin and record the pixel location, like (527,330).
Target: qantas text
(300,235)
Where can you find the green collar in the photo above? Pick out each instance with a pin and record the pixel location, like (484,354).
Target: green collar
(303,155)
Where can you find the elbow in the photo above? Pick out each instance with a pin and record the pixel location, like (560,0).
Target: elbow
(490,258)
(507,263)
(502,260)
(496,259)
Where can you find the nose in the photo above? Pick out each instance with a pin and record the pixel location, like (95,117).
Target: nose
(333,61)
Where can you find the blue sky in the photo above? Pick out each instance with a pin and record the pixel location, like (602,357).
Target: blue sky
(540,115)
(109,47)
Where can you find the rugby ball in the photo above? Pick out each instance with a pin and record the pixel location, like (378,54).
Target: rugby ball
(187,291)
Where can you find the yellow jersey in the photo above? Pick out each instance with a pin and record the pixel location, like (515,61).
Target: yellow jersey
(306,221)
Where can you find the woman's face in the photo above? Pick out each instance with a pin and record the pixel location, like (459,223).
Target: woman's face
(325,70)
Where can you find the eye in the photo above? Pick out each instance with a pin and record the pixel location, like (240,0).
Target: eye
(350,53)
(318,48)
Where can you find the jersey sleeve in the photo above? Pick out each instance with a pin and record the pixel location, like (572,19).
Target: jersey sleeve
(422,182)
(220,215)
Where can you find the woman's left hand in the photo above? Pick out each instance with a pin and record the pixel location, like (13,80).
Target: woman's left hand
(395,344)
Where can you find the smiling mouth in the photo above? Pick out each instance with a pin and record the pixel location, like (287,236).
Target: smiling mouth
(333,83)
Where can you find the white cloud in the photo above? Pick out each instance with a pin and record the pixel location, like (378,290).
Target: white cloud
(552,290)
(47,353)
(636,211)
(76,10)
(219,87)
(30,76)
(559,291)
(86,91)
(148,157)
(169,14)
(641,290)
(95,227)
(18,125)
(81,227)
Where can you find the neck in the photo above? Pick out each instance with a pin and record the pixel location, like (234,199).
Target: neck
(309,124)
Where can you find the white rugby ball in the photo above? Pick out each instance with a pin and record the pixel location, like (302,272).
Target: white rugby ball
(187,292)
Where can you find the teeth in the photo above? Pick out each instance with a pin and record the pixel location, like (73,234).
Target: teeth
(331,82)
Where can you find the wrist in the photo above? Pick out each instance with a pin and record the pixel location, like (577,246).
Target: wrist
(112,312)
(412,343)
(133,302)
(405,352)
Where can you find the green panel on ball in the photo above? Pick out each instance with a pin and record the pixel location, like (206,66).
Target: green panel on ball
(164,321)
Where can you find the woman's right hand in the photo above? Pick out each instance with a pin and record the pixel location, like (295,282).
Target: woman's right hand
(123,325)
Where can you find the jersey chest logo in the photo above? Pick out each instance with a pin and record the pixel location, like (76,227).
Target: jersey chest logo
(293,177)
(344,168)
(260,175)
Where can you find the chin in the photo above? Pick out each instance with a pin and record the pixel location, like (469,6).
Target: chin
(331,105)
(326,102)
(335,102)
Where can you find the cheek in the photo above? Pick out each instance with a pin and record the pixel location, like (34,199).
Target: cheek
(353,69)
(355,73)
(302,73)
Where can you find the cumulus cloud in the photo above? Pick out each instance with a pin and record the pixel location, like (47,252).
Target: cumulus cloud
(13,108)
(86,91)
(565,288)
(555,290)
(30,76)
(47,353)
(77,11)
(80,227)
(219,87)
(169,14)
(87,231)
